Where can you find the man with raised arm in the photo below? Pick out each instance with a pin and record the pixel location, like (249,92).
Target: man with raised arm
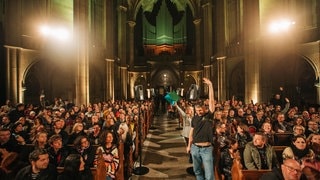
(201,137)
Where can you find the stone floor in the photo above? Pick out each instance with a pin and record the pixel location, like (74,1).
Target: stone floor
(164,153)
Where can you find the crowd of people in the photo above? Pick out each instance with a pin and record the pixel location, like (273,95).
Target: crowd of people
(35,141)
(249,133)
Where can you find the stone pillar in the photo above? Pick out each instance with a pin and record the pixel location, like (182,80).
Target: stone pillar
(207,74)
(207,34)
(122,35)
(109,73)
(131,43)
(123,53)
(81,43)
(221,64)
(318,93)
(124,82)
(12,74)
(251,49)
(198,43)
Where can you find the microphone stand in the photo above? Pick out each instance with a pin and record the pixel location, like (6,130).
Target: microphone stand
(140,170)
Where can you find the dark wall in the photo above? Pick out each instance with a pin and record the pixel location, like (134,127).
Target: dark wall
(2,67)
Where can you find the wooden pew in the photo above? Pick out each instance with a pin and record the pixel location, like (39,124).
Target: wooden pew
(282,139)
(279,150)
(99,173)
(253,174)
(240,174)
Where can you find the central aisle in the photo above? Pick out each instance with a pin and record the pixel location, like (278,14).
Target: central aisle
(164,152)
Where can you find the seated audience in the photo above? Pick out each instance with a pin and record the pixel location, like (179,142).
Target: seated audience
(10,165)
(312,166)
(75,169)
(110,155)
(313,127)
(77,130)
(289,170)
(298,149)
(39,168)
(41,140)
(94,134)
(57,152)
(58,130)
(243,136)
(280,125)
(8,142)
(269,133)
(227,157)
(83,147)
(297,130)
(258,154)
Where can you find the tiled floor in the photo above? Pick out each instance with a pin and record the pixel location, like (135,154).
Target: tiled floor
(164,152)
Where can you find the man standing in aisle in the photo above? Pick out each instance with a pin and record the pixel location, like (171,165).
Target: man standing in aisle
(201,138)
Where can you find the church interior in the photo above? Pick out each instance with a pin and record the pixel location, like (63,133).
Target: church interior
(97,50)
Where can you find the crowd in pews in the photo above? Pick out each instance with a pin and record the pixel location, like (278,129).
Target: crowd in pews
(255,138)
(97,141)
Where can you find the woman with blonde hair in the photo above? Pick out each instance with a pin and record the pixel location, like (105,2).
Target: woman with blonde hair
(77,130)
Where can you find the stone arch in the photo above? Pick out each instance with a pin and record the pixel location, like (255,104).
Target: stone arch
(237,82)
(32,83)
(136,7)
(164,76)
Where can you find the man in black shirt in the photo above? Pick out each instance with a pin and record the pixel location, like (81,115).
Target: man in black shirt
(201,137)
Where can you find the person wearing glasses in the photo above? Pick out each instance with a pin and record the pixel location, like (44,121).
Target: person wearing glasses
(313,127)
(290,170)
(298,150)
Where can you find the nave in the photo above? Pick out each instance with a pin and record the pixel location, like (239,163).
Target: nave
(164,152)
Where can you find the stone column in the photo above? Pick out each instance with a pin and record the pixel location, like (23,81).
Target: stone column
(81,35)
(251,49)
(207,34)
(198,43)
(12,74)
(318,92)
(109,73)
(131,43)
(124,82)
(124,54)
(207,74)
(221,64)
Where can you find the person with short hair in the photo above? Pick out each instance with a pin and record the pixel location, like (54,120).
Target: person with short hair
(258,154)
(201,137)
(290,170)
(57,152)
(39,168)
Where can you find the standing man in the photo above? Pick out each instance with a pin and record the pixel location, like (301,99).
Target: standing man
(201,138)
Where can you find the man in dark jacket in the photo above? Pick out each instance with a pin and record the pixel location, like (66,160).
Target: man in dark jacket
(40,169)
(290,169)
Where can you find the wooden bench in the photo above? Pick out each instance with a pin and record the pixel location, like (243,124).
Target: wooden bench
(279,150)
(99,172)
(283,139)
(240,174)
(253,174)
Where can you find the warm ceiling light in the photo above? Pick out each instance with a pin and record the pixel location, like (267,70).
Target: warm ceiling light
(281,26)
